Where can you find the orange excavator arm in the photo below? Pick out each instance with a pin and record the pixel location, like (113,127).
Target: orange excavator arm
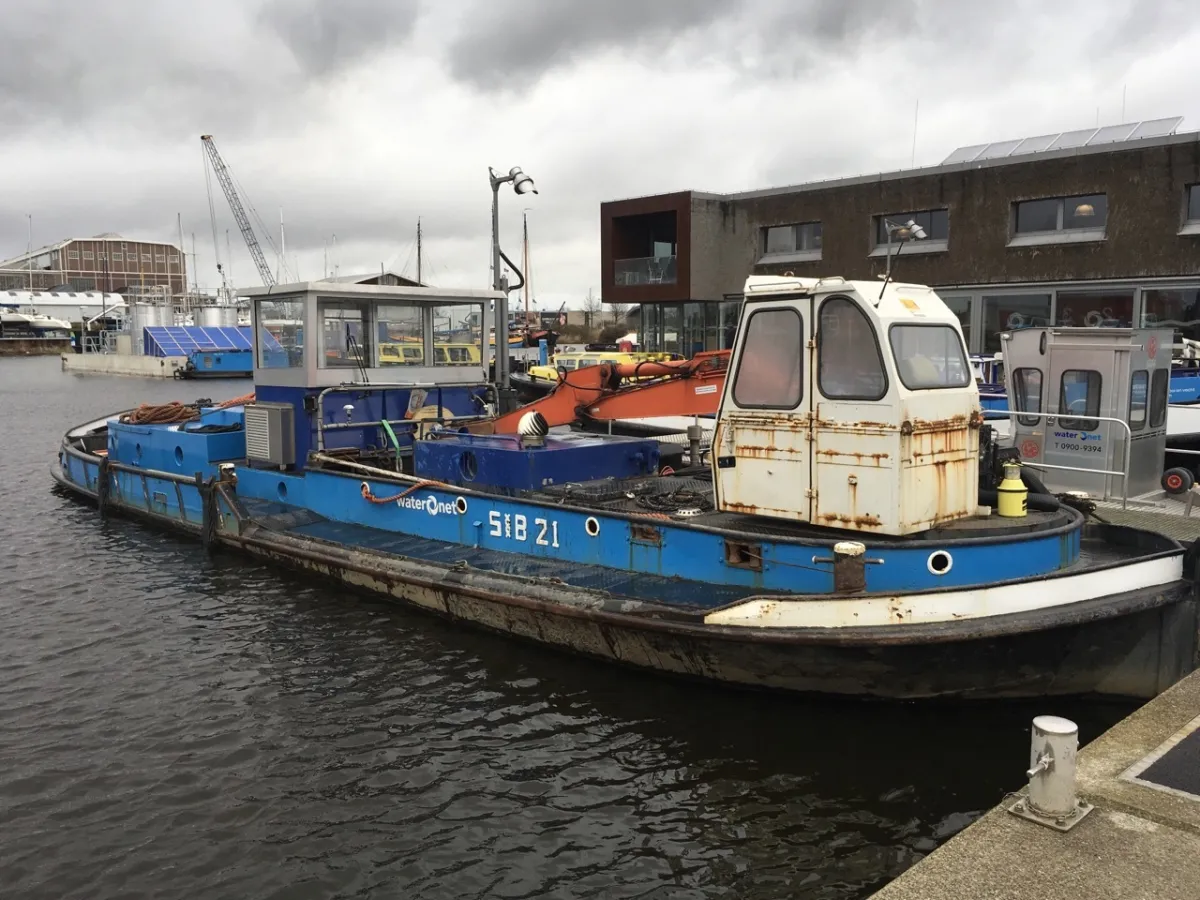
(682,387)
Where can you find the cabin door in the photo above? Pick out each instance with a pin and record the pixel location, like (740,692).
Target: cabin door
(762,446)
(1080,382)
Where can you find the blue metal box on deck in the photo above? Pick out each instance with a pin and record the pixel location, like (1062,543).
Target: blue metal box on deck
(500,461)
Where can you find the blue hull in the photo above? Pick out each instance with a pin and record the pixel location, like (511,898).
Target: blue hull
(638,589)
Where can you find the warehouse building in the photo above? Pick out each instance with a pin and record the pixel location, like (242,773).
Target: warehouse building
(1094,227)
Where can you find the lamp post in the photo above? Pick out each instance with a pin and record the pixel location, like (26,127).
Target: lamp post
(905,232)
(522,184)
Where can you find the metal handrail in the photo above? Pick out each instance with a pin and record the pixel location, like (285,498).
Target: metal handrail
(354,387)
(1128,442)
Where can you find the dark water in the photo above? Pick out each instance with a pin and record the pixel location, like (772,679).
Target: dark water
(177,726)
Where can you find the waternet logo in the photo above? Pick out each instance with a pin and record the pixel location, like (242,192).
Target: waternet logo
(429,504)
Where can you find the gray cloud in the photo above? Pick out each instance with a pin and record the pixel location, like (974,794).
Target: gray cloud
(504,43)
(327,35)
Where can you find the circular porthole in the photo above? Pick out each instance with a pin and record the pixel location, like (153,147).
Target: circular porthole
(461,505)
(179,456)
(592,526)
(939,562)
(281,492)
(137,449)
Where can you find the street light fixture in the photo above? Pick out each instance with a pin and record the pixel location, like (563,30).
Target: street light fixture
(910,230)
(522,184)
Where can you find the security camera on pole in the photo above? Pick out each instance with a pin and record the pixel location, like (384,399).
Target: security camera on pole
(522,184)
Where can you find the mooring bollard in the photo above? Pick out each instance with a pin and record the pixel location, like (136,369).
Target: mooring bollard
(1053,747)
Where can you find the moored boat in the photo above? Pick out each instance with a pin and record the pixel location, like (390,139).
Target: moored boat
(843,536)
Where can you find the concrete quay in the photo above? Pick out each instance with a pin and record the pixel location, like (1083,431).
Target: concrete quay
(122,364)
(1141,841)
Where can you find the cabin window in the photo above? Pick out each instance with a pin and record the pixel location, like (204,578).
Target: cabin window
(280,325)
(769,374)
(1079,395)
(1158,398)
(850,366)
(401,334)
(1139,388)
(1027,394)
(457,334)
(343,331)
(929,357)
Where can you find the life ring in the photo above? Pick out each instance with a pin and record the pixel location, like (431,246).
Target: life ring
(1015,321)
(1093,319)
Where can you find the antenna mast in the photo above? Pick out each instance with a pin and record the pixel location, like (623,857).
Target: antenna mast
(419,251)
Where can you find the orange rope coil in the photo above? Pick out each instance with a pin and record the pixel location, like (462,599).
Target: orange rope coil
(175,413)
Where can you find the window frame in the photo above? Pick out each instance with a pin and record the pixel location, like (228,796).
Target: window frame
(1031,420)
(366,319)
(1133,378)
(1060,234)
(737,377)
(961,346)
(1160,390)
(1191,223)
(795,254)
(887,382)
(1089,421)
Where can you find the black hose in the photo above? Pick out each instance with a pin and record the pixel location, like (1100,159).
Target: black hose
(1033,482)
(1037,502)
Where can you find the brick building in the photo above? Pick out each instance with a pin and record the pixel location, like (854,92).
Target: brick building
(1094,227)
(106,262)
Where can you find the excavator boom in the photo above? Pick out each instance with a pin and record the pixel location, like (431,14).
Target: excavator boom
(685,387)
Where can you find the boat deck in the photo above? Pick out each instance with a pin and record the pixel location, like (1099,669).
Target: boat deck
(690,500)
(1167,521)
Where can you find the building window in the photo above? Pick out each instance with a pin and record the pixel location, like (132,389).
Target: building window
(1012,312)
(1191,211)
(1079,393)
(961,307)
(174,259)
(101,255)
(1059,219)
(72,254)
(934,222)
(87,254)
(847,368)
(1177,308)
(118,256)
(770,366)
(145,257)
(1094,309)
(929,357)
(160,257)
(791,241)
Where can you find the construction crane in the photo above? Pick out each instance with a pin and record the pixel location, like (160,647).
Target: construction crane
(239,213)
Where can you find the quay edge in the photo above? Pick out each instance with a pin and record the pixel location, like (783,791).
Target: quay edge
(1138,843)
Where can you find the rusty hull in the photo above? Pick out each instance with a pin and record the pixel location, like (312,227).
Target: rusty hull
(1111,646)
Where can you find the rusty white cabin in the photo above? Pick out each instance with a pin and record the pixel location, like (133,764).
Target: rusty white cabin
(851,405)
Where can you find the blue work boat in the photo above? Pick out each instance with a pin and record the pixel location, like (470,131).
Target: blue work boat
(842,535)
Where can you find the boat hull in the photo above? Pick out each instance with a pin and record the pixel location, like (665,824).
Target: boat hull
(1133,644)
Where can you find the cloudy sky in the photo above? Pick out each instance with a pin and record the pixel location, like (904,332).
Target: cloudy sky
(359,116)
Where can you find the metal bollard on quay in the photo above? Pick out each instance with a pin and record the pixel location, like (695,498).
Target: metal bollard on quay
(1052,802)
